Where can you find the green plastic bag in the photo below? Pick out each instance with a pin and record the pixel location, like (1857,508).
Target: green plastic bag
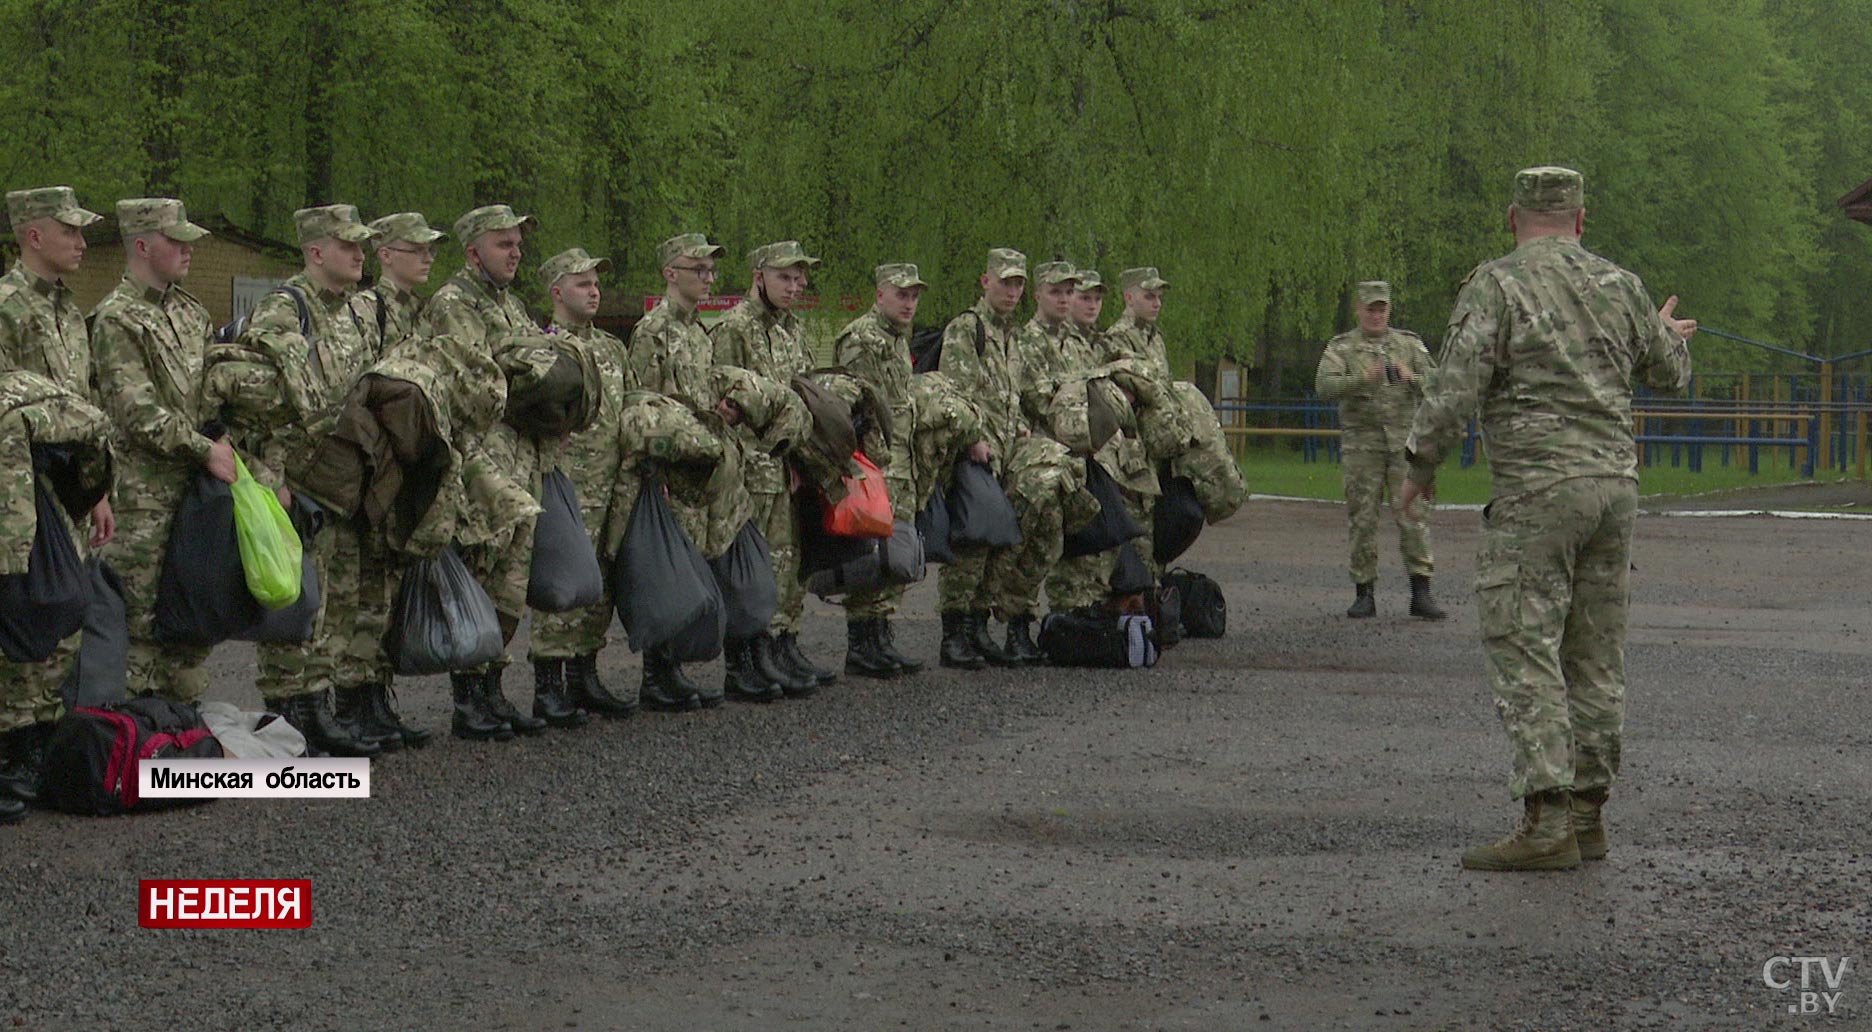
(270,552)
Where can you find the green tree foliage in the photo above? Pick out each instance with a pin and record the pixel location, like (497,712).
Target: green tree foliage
(1264,155)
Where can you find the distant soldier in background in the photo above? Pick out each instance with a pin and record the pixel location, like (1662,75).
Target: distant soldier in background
(875,347)
(1547,342)
(1135,334)
(1377,372)
(148,341)
(762,334)
(565,646)
(405,251)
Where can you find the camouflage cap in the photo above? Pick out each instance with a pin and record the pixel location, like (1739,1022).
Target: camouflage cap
(331,222)
(570,262)
(685,245)
(488,218)
(1146,278)
(407,226)
(1055,272)
(1370,292)
(781,255)
(1087,280)
(898,274)
(1549,188)
(166,215)
(1007,263)
(47,202)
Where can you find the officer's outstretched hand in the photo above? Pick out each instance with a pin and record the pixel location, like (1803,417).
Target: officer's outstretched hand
(1412,491)
(1685,328)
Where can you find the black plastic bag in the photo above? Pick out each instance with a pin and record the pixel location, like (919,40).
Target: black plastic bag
(104,653)
(979,511)
(201,595)
(1176,520)
(1113,526)
(1205,610)
(46,604)
(565,574)
(443,620)
(898,559)
(750,594)
(933,524)
(1129,574)
(665,591)
(820,551)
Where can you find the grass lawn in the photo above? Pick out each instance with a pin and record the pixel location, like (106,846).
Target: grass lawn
(1283,473)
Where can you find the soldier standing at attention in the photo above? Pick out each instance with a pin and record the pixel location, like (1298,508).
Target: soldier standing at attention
(1377,373)
(148,340)
(405,251)
(42,331)
(875,347)
(1546,342)
(979,354)
(1135,334)
(565,646)
(762,334)
(320,350)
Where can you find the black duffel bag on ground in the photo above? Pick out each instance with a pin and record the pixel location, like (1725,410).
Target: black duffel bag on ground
(46,604)
(1114,525)
(744,573)
(91,758)
(1095,636)
(1205,611)
(664,590)
(1176,520)
(979,510)
(443,620)
(565,574)
(201,595)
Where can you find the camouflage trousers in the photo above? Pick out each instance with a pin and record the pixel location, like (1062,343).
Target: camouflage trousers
(171,671)
(774,515)
(30,692)
(504,564)
(580,632)
(1371,476)
(968,583)
(1552,590)
(357,584)
(1086,580)
(882,602)
(289,670)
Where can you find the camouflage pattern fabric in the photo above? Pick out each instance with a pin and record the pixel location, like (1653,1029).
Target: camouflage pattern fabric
(399,310)
(688,452)
(1047,485)
(991,379)
(1374,420)
(42,331)
(148,347)
(670,354)
(1547,342)
(1131,337)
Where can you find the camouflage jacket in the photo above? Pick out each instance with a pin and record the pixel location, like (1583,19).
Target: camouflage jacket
(1131,338)
(873,349)
(35,410)
(1547,341)
(591,456)
(471,309)
(148,347)
(42,331)
(1374,415)
(1044,365)
(670,354)
(990,377)
(692,456)
(767,341)
(943,424)
(397,311)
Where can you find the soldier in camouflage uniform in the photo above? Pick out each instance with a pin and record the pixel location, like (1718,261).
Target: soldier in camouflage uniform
(990,376)
(148,340)
(42,331)
(319,352)
(405,251)
(671,354)
(875,347)
(565,646)
(763,335)
(1135,334)
(1377,374)
(1547,343)
(478,307)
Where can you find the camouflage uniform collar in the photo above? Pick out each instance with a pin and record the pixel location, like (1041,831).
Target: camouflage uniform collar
(769,314)
(1146,326)
(988,315)
(144,291)
(395,293)
(889,324)
(579,332)
(52,288)
(1057,330)
(680,312)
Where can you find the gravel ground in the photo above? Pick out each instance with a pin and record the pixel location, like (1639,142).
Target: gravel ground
(1261,833)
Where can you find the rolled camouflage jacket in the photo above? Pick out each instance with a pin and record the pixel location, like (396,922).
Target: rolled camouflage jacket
(47,434)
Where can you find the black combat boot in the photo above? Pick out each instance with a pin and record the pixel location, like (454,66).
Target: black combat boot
(22,755)
(983,636)
(550,701)
(887,647)
(958,642)
(385,714)
(1364,605)
(774,667)
(862,657)
(786,646)
(472,719)
(1020,643)
(312,714)
(664,688)
(741,676)
(590,693)
(352,708)
(496,702)
(1422,605)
